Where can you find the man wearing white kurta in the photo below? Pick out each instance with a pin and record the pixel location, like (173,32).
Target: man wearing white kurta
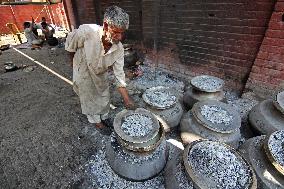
(96,49)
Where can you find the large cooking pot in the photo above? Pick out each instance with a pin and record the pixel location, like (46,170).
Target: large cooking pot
(206,162)
(146,142)
(195,126)
(267,176)
(265,118)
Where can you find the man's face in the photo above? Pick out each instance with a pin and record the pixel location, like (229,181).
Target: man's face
(114,34)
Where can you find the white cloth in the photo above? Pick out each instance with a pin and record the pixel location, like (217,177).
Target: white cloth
(31,37)
(90,66)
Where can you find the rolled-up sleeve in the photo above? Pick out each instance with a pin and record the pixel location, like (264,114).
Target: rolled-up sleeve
(119,72)
(75,40)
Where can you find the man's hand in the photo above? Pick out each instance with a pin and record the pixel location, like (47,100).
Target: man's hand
(130,105)
(128,102)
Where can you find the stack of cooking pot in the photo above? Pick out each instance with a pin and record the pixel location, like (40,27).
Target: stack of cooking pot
(203,87)
(268,115)
(212,120)
(266,155)
(163,102)
(137,150)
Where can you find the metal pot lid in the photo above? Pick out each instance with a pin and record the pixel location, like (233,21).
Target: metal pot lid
(207,83)
(217,116)
(216,165)
(279,101)
(146,146)
(274,149)
(136,126)
(160,97)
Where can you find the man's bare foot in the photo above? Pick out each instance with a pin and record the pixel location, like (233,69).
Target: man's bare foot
(104,130)
(100,125)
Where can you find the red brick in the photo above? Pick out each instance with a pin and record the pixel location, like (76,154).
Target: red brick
(276,25)
(262,55)
(276,57)
(273,41)
(276,17)
(279,7)
(275,33)
(272,49)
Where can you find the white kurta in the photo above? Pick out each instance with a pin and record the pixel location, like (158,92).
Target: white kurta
(90,65)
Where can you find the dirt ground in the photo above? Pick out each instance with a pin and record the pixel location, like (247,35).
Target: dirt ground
(45,141)
(44,138)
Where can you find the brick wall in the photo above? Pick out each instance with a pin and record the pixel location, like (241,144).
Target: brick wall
(216,37)
(133,8)
(87,12)
(18,14)
(84,11)
(267,74)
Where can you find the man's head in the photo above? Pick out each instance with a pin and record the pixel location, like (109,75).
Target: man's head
(43,19)
(27,25)
(116,21)
(44,25)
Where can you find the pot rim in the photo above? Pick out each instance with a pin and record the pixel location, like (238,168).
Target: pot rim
(153,89)
(194,83)
(196,180)
(117,123)
(235,124)
(271,157)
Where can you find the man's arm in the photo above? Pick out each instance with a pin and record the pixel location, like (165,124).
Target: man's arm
(71,56)
(32,24)
(120,82)
(128,102)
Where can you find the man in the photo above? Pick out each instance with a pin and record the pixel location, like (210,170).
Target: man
(32,39)
(94,49)
(48,32)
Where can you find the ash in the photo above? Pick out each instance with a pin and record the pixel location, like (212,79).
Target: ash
(216,114)
(151,79)
(207,83)
(243,106)
(103,177)
(276,146)
(182,179)
(136,158)
(137,125)
(218,166)
(161,99)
